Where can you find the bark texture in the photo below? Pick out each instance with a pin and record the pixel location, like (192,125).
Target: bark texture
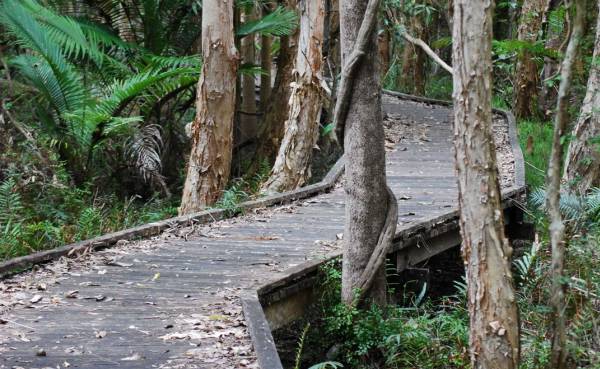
(292,165)
(414,58)
(370,206)
(582,170)
(212,131)
(557,227)
(276,113)
(526,73)
(249,121)
(494,325)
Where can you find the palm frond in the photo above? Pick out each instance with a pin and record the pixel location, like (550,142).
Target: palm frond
(280,22)
(29,33)
(144,151)
(64,31)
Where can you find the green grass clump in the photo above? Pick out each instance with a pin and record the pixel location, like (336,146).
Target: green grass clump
(536,155)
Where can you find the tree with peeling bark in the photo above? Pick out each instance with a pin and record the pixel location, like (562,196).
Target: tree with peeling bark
(371,208)
(494,323)
(212,130)
(248,119)
(582,169)
(292,164)
(526,71)
(553,181)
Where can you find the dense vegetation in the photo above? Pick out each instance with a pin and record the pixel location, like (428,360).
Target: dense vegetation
(94,107)
(425,332)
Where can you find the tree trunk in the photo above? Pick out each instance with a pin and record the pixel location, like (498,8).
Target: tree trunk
(526,72)
(414,59)
(275,115)
(383,39)
(494,324)
(366,195)
(554,42)
(248,123)
(266,65)
(212,130)
(557,228)
(292,165)
(582,169)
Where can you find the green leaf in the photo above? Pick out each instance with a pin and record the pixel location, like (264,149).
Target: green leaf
(280,22)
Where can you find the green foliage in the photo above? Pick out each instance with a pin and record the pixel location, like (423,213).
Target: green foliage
(536,157)
(279,22)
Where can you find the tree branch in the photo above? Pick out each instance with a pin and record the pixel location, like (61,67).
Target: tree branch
(350,68)
(428,51)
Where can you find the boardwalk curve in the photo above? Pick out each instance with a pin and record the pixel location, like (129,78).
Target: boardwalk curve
(175,300)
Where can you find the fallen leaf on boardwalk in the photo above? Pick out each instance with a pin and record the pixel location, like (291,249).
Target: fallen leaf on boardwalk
(72,294)
(339,236)
(35,299)
(101,334)
(156,276)
(119,264)
(136,356)
(103,271)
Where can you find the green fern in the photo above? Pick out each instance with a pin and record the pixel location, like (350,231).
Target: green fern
(65,87)
(280,22)
(10,202)
(89,223)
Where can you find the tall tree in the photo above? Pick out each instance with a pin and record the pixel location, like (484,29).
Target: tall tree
(582,170)
(248,120)
(526,73)
(371,209)
(494,329)
(276,112)
(553,179)
(292,164)
(212,131)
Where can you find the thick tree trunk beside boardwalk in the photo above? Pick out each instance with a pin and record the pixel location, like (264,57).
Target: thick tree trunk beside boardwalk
(292,164)
(494,324)
(367,199)
(212,131)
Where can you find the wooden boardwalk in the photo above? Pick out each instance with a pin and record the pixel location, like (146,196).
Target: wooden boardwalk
(172,301)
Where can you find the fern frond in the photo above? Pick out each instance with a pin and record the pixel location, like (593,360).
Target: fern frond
(10,202)
(280,22)
(65,31)
(32,35)
(144,150)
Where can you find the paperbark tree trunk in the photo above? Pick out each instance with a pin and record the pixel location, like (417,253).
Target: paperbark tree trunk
(248,124)
(554,41)
(414,59)
(366,195)
(276,113)
(292,165)
(212,131)
(582,167)
(266,65)
(526,72)
(494,324)
(557,228)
